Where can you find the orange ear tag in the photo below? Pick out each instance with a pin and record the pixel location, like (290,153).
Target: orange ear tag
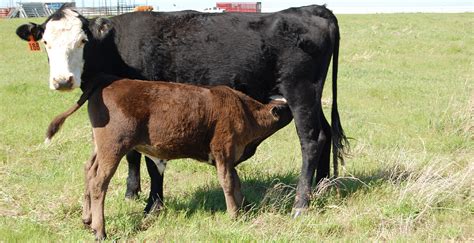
(34,45)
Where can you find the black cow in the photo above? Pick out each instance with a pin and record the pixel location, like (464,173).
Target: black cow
(286,53)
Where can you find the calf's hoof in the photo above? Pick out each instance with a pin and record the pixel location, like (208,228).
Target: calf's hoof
(246,206)
(87,221)
(99,235)
(233,214)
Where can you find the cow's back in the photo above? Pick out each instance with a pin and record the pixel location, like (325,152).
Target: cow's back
(234,49)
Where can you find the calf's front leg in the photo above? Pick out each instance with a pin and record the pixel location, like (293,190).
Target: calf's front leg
(239,198)
(228,181)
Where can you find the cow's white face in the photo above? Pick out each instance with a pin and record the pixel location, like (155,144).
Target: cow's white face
(64,40)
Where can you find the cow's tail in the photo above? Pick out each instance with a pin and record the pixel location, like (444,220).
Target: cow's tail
(339,139)
(59,120)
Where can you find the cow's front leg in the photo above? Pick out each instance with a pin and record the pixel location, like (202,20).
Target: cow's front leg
(156,169)
(133,179)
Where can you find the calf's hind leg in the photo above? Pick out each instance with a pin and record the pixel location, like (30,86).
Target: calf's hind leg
(98,184)
(90,168)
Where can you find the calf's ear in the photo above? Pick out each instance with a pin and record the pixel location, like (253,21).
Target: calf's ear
(281,112)
(274,111)
(31,30)
(100,28)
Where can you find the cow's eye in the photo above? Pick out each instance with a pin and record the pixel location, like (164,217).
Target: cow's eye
(45,43)
(84,41)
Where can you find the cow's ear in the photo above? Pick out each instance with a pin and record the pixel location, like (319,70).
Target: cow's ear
(31,30)
(100,28)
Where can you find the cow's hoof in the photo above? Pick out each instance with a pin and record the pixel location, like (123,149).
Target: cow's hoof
(296,212)
(153,208)
(131,194)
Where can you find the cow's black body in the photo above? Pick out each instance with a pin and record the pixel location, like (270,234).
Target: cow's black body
(286,53)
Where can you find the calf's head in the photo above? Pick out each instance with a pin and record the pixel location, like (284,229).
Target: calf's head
(281,114)
(65,35)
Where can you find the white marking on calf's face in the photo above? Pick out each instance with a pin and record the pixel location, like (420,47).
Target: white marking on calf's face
(64,40)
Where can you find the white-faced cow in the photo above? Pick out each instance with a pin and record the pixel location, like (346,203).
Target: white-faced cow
(286,53)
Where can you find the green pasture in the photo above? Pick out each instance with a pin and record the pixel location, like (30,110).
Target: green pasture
(405,97)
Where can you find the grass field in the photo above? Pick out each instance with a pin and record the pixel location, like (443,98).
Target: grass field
(405,97)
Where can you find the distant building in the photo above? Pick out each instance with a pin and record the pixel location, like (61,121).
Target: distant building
(53,6)
(213,10)
(44,8)
(241,7)
(33,8)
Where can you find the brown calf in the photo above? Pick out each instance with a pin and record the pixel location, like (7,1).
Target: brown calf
(171,121)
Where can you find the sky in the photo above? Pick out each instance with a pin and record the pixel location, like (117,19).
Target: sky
(341,5)
(338,6)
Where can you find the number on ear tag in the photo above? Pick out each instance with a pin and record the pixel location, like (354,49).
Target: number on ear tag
(34,45)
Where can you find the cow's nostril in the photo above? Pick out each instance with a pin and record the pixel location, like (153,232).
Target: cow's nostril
(63,83)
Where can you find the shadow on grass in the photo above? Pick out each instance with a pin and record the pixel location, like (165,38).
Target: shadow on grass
(276,193)
(211,198)
(270,194)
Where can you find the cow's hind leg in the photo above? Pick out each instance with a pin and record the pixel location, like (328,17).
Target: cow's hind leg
(324,163)
(156,169)
(312,140)
(301,83)
(133,179)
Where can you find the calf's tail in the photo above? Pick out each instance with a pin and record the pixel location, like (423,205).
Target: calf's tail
(59,120)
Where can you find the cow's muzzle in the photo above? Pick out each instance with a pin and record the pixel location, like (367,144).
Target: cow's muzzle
(63,83)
